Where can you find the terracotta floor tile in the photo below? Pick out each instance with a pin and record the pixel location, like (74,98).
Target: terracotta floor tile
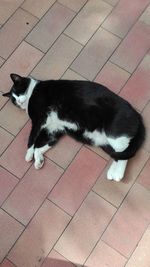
(145,17)
(7,263)
(37,8)
(75,5)
(130,222)
(124,16)
(5,138)
(64,152)
(14,31)
(40,235)
(145,114)
(127,55)
(144,178)
(106,256)
(99,151)
(136,90)
(112,77)
(77,181)
(17,164)
(140,257)
(33,188)
(9,233)
(50,27)
(88,20)
(3,100)
(64,51)
(7,183)
(7,8)
(54,259)
(22,61)
(1,61)
(80,237)
(16,118)
(112,2)
(115,192)
(71,75)
(95,54)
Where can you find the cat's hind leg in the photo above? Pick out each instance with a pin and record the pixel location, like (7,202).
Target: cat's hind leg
(117,170)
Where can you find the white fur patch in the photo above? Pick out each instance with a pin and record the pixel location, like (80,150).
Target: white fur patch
(23,100)
(29,154)
(117,170)
(97,138)
(119,144)
(54,124)
(38,156)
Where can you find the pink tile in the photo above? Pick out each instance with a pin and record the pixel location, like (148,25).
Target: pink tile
(127,55)
(99,151)
(145,114)
(5,138)
(16,119)
(112,2)
(140,257)
(115,192)
(77,181)
(146,16)
(9,233)
(64,152)
(7,183)
(144,178)
(22,61)
(85,229)
(1,61)
(75,5)
(71,75)
(38,8)
(95,54)
(130,222)
(136,90)
(112,77)
(17,164)
(14,31)
(106,256)
(88,20)
(54,259)
(64,50)
(7,8)
(33,188)
(40,235)
(124,16)
(50,27)
(3,100)
(7,263)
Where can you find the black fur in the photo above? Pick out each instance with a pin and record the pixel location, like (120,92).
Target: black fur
(90,105)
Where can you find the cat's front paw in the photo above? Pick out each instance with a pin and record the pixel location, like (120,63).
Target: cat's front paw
(114,173)
(39,162)
(29,154)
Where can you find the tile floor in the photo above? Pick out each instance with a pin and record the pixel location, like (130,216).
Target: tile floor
(67,214)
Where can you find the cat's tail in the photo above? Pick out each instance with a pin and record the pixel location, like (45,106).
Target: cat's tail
(134,145)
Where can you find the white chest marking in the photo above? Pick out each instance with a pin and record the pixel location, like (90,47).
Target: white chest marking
(97,138)
(54,124)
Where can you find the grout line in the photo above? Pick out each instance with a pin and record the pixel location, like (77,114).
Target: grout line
(8,213)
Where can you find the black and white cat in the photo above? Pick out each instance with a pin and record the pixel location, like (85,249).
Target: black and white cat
(85,110)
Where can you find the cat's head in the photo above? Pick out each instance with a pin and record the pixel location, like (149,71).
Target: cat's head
(18,92)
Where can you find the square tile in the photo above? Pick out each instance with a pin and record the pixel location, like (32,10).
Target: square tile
(40,235)
(77,181)
(85,229)
(129,223)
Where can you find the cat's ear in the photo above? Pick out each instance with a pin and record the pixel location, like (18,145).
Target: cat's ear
(15,77)
(7,94)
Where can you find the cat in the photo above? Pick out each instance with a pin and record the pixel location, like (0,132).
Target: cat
(87,111)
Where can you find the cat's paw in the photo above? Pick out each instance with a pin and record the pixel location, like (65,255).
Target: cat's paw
(115,173)
(39,162)
(29,154)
